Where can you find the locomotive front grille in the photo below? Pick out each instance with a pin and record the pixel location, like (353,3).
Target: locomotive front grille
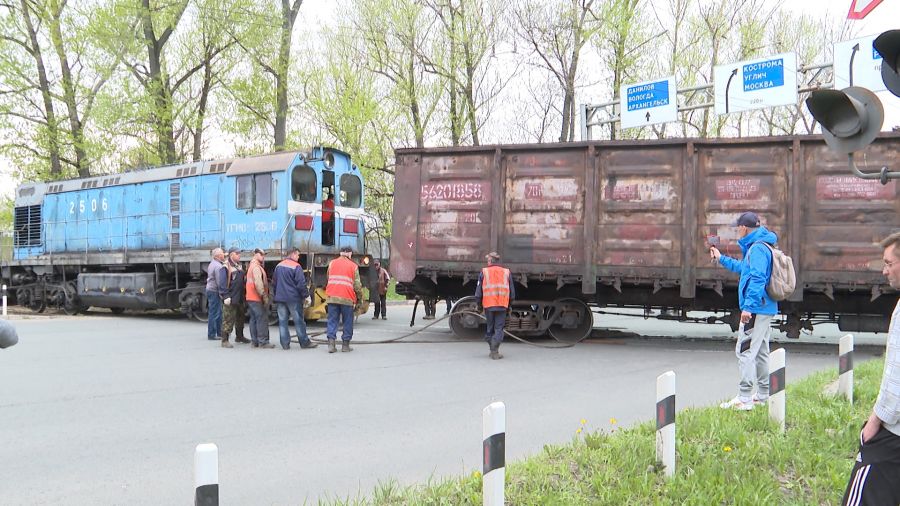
(27,226)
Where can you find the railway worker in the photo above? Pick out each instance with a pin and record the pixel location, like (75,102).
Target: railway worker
(757,309)
(344,290)
(213,297)
(380,298)
(234,281)
(258,300)
(328,218)
(289,292)
(875,478)
(494,291)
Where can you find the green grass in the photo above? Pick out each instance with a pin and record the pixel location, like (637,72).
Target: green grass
(723,458)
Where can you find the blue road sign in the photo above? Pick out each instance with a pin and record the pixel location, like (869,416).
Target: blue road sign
(646,96)
(763,75)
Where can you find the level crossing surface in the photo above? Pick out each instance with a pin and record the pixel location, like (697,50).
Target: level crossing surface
(103,409)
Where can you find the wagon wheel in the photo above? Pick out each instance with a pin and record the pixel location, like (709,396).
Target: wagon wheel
(574,321)
(462,322)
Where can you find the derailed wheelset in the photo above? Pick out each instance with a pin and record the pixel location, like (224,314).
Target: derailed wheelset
(567,320)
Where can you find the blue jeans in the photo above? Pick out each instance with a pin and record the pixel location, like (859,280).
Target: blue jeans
(292,310)
(340,311)
(496,320)
(259,323)
(214,323)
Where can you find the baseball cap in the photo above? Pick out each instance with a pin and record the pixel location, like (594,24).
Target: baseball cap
(260,251)
(748,219)
(493,255)
(234,250)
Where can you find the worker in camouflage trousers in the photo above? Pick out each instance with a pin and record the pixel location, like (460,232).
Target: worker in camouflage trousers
(232,288)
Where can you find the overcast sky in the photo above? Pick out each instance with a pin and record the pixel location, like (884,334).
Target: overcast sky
(884,17)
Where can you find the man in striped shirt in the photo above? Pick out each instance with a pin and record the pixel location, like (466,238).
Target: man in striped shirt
(875,479)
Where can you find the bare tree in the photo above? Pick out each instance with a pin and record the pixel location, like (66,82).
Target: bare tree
(557,32)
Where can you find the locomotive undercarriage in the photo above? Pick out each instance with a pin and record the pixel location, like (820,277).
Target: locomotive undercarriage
(565,313)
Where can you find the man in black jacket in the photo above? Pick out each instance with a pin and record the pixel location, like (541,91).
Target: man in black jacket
(232,286)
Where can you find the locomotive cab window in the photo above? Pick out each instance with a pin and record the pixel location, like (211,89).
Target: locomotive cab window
(254,191)
(303,184)
(351,191)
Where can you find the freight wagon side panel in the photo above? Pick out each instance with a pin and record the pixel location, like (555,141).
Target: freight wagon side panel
(639,230)
(455,211)
(734,178)
(544,208)
(845,217)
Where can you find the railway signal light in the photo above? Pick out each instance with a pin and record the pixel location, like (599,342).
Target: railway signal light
(851,118)
(888,46)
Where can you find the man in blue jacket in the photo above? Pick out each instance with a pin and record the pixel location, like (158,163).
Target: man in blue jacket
(289,293)
(757,309)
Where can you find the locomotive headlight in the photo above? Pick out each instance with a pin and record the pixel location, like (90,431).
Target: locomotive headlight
(329,160)
(365,260)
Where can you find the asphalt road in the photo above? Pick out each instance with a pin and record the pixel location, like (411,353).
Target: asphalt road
(104,409)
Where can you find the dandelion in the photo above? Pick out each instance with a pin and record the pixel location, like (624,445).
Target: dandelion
(583,421)
(727,449)
(578,431)
(476,474)
(613,421)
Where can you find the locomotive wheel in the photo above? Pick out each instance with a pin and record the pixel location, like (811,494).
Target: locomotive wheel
(71,306)
(462,322)
(574,322)
(117,310)
(29,299)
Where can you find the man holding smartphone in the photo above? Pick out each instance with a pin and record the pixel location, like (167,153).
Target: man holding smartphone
(757,309)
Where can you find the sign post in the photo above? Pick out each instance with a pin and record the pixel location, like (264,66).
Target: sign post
(648,103)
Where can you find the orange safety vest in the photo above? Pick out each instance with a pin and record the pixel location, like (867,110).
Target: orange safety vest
(341,273)
(252,294)
(495,286)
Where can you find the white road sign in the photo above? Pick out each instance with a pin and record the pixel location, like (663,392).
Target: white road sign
(756,84)
(648,103)
(856,63)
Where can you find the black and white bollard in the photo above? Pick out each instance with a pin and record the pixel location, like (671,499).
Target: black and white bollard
(845,367)
(665,421)
(776,386)
(206,475)
(4,301)
(494,452)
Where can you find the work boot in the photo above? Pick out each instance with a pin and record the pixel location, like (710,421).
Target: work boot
(308,345)
(241,339)
(345,346)
(267,345)
(375,317)
(226,344)
(331,346)
(495,352)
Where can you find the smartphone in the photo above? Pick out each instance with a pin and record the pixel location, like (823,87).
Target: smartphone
(712,240)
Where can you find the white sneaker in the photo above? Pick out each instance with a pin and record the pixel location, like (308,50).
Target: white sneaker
(737,404)
(757,401)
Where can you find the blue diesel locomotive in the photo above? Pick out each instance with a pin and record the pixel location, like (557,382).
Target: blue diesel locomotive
(142,239)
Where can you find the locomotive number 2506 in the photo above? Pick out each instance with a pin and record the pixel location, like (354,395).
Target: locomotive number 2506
(82,206)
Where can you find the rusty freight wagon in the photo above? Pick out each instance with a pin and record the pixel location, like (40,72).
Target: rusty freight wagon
(626,224)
